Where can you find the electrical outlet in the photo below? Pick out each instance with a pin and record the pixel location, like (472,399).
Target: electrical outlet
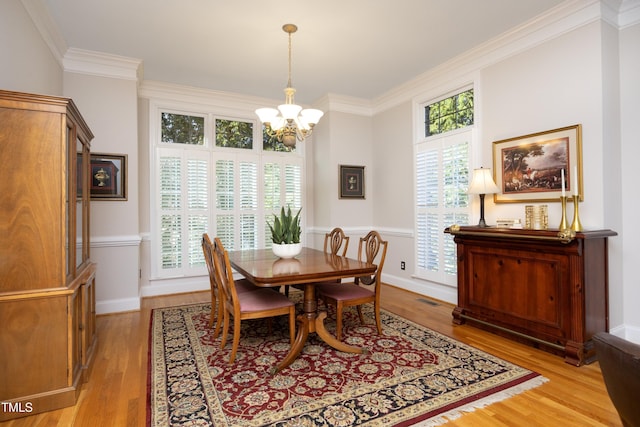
(402,265)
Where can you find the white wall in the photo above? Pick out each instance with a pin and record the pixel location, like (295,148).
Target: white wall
(109,105)
(28,64)
(630,153)
(347,142)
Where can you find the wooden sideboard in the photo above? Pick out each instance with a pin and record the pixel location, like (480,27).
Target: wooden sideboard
(542,287)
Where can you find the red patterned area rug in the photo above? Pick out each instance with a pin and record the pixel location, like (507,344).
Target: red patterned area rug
(412,376)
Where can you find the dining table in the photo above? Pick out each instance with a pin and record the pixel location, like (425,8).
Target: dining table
(262,268)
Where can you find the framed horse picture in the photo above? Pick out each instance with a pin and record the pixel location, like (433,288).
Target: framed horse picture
(539,167)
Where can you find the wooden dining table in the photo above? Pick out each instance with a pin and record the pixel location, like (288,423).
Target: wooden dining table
(310,267)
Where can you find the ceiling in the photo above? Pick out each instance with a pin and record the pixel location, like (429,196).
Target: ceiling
(359,48)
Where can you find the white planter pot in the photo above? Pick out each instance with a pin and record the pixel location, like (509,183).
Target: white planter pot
(287,250)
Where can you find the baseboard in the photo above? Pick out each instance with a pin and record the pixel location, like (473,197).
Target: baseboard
(629,333)
(175,286)
(432,290)
(117,305)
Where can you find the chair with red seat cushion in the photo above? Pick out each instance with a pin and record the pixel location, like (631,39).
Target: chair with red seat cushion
(242,285)
(362,290)
(256,304)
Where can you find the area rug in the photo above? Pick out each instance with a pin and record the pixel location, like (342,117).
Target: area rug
(412,376)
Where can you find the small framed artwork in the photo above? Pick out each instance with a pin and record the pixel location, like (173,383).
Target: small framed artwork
(351,182)
(108,176)
(539,167)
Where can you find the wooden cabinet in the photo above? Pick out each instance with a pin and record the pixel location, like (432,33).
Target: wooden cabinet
(539,287)
(47,280)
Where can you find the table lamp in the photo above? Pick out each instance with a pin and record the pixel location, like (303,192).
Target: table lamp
(482,183)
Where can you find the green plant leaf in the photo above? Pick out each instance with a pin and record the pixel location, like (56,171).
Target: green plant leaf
(286,227)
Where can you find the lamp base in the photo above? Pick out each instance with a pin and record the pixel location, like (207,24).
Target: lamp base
(482,223)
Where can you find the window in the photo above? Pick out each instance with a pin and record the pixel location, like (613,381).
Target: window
(442,179)
(227,188)
(182,129)
(234,134)
(448,114)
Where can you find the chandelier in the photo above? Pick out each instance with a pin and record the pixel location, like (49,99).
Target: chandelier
(289,123)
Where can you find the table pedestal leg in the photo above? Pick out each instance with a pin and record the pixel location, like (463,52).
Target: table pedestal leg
(298,344)
(333,341)
(311,321)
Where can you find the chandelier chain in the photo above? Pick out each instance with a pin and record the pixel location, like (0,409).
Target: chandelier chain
(289,81)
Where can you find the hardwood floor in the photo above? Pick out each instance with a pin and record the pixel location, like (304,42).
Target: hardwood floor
(116,393)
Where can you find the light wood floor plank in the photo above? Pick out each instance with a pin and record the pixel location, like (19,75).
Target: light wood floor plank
(116,394)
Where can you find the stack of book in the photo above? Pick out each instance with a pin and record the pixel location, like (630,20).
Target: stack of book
(509,223)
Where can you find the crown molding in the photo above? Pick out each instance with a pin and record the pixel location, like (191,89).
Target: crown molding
(559,20)
(345,104)
(102,64)
(47,27)
(190,95)
(629,14)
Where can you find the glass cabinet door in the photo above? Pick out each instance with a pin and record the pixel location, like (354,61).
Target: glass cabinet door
(82,203)
(69,214)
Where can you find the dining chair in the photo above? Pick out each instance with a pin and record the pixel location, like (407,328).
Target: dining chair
(257,304)
(242,285)
(335,243)
(362,290)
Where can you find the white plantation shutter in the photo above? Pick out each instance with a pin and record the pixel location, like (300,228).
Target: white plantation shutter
(237,201)
(225,203)
(293,186)
(183,208)
(198,208)
(224,190)
(271,187)
(427,190)
(442,179)
(283,183)
(248,220)
(272,200)
(171,212)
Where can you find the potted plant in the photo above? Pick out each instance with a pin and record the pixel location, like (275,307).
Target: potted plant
(285,233)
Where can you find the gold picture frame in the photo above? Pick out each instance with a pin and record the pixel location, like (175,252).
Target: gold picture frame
(529,168)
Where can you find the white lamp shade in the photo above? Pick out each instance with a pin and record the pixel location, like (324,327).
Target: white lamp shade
(277,123)
(266,115)
(482,182)
(301,123)
(289,111)
(311,115)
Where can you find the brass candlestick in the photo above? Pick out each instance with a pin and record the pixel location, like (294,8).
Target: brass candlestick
(575,225)
(564,225)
